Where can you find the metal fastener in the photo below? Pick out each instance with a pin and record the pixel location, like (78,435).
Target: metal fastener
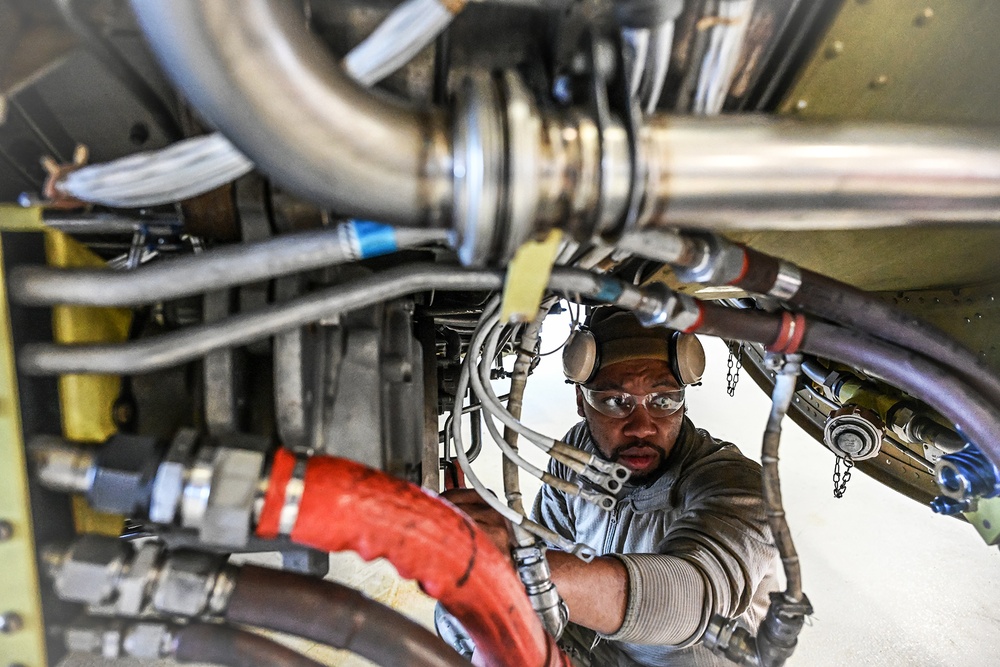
(924,17)
(11,622)
(6,530)
(834,49)
(881,81)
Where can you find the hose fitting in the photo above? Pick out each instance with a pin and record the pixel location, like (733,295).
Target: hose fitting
(533,569)
(963,477)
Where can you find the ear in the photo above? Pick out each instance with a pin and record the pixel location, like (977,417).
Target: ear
(579,402)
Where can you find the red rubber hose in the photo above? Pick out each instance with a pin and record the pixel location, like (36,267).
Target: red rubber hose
(346,506)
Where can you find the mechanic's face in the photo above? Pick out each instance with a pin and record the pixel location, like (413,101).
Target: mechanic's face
(640,442)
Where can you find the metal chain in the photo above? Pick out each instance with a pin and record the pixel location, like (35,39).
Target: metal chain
(734,364)
(840,484)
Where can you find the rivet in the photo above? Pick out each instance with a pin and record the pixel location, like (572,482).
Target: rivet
(924,17)
(979,316)
(881,81)
(968,320)
(11,622)
(834,49)
(6,530)
(801,105)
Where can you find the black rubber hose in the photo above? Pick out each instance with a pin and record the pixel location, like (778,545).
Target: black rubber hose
(337,616)
(851,307)
(223,645)
(907,370)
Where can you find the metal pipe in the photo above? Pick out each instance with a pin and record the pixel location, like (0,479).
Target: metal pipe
(156,353)
(225,267)
(252,69)
(335,615)
(761,173)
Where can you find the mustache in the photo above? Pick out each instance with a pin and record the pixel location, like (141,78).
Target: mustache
(634,445)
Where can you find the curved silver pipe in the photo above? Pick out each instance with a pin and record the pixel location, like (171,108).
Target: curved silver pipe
(159,352)
(761,173)
(194,274)
(252,69)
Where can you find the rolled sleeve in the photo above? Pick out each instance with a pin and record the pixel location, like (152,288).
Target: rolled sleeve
(666,601)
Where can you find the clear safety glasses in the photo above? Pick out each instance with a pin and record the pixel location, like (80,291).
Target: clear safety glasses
(620,404)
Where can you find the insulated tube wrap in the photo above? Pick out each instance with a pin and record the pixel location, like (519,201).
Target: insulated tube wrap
(426,539)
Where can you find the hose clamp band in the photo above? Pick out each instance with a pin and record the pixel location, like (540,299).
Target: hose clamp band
(787,283)
(793,330)
(293,498)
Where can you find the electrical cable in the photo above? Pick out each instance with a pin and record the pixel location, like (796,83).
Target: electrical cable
(582,551)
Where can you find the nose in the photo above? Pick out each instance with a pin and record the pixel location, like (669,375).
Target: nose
(639,424)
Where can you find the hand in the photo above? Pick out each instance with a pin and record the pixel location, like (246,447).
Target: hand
(488,519)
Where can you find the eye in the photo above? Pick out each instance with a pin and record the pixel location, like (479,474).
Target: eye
(616,401)
(667,400)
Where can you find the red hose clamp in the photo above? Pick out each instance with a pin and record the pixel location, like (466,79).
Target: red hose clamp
(793,330)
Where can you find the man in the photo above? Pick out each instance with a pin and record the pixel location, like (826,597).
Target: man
(688,538)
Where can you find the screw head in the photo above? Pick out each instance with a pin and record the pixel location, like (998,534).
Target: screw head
(6,530)
(834,49)
(11,622)
(924,17)
(881,81)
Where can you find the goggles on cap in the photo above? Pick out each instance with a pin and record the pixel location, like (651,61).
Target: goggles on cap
(620,404)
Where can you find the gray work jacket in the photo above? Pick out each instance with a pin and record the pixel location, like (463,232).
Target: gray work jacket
(695,542)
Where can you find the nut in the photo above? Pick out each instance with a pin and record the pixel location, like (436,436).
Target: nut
(90,569)
(135,581)
(230,505)
(83,639)
(185,583)
(146,640)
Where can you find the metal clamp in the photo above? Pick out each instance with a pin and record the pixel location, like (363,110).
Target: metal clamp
(787,282)
(293,498)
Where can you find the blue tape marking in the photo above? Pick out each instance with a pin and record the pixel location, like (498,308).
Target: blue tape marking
(374,238)
(610,291)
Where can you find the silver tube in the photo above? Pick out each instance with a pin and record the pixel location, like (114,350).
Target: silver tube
(761,173)
(156,353)
(253,70)
(194,274)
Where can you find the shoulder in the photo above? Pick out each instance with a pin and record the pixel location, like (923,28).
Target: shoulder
(707,461)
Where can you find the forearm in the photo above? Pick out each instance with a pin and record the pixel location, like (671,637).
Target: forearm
(596,592)
(641,598)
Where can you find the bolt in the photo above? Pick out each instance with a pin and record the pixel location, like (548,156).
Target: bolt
(881,81)
(11,622)
(834,49)
(6,530)
(924,17)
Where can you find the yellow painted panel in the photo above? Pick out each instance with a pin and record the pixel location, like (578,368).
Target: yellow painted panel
(17,219)
(86,400)
(904,60)
(19,586)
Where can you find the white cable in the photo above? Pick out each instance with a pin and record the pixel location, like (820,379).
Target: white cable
(481,385)
(179,171)
(582,551)
(401,36)
(721,59)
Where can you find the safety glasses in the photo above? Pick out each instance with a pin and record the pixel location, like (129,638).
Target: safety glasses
(620,404)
